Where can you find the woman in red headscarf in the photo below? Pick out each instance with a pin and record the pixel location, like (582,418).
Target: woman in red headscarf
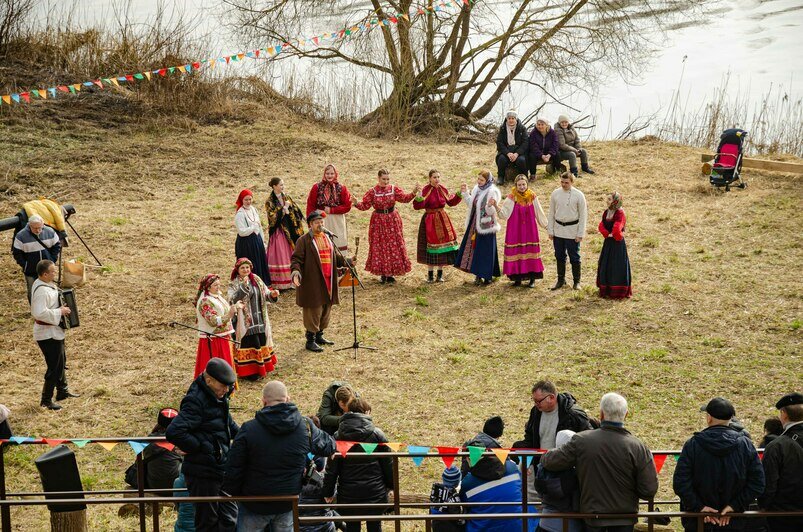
(250,241)
(213,318)
(334,199)
(253,357)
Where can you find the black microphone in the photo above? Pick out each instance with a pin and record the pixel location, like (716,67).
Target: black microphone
(328,232)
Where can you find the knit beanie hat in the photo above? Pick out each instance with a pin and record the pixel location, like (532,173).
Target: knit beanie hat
(451,477)
(563,118)
(494,427)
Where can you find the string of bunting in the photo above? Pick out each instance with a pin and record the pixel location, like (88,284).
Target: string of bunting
(416,452)
(194,66)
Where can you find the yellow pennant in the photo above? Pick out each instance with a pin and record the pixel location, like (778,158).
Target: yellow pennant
(182,68)
(501,454)
(108,445)
(42,94)
(212,64)
(271,51)
(394,446)
(115,82)
(7,99)
(77,87)
(147,74)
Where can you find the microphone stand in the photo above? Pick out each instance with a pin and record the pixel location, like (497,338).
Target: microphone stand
(356,345)
(209,336)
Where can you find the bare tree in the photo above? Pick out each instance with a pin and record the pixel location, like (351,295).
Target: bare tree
(451,64)
(13,15)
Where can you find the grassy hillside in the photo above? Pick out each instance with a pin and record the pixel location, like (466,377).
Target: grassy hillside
(716,307)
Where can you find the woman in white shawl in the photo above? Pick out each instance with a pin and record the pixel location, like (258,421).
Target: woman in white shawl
(477,253)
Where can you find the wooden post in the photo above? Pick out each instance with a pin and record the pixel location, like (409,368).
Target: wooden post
(5,511)
(762,164)
(396,500)
(296,524)
(156,510)
(650,508)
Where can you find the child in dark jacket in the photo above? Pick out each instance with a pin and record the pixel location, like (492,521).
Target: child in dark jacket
(312,493)
(559,491)
(447,492)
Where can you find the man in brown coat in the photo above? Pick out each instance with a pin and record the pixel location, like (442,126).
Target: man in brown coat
(615,469)
(314,274)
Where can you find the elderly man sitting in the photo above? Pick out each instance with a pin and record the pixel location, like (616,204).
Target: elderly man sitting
(33,243)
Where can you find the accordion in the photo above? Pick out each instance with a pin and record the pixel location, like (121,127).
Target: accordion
(67,298)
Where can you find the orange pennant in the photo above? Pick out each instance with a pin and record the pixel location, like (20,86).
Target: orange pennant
(108,445)
(394,446)
(42,94)
(182,68)
(7,99)
(165,445)
(77,87)
(147,74)
(53,443)
(115,82)
(501,454)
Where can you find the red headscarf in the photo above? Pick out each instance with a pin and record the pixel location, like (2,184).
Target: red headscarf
(235,272)
(206,282)
(243,193)
(329,191)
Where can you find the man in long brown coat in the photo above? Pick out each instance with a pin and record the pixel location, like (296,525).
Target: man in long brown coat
(314,274)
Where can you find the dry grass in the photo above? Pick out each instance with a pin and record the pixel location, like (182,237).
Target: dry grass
(716,310)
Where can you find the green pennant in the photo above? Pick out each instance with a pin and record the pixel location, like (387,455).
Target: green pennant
(171,69)
(107,81)
(72,89)
(139,76)
(676,457)
(368,447)
(80,443)
(474,454)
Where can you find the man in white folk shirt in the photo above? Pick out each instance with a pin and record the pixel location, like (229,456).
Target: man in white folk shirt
(47,312)
(566,227)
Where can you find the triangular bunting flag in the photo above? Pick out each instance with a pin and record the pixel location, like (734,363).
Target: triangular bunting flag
(137,446)
(129,77)
(15,97)
(368,447)
(87,84)
(529,460)
(7,99)
(451,452)
(115,82)
(196,65)
(182,68)
(676,457)
(418,453)
(394,446)
(108,445)
(107,81)
(189,68)
(343,447)
(761,456)
(35,94)
(406,17)
(659,460)
(310,456)
(256,52)
(501,454)
(165,445)
(163,72)
(250,54)
(52,91)
(72,89)
(26,96)
(139,75)
(19,439)
(98,83)
(228,59)
(53,443)
(80,443)
(212,64)
(278,48)
(147,75)
(474,454)
(77,87)
(63,88)
(42,93)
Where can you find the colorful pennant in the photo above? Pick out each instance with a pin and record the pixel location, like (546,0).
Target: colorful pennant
(659,460)
(137,446)
(451,453)
(80,443)
(368,447)
(418,453)
(501,454)
(474,454)
(108,445)
(344,446)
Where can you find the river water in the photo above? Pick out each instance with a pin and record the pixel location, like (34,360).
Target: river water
(751,46)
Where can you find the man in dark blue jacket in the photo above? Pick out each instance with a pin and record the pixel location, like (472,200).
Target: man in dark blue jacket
(269,456)
(203,429)
(33,243)
(718,471)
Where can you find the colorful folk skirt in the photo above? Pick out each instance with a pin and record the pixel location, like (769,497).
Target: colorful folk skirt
(478,254)
(209,348)
(522,247)
(387,252)
(613,270)
(437,240)
(279,253)
(254,357)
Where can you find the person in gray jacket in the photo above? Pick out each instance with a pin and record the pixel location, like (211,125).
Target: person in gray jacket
(615,469)
(569,146)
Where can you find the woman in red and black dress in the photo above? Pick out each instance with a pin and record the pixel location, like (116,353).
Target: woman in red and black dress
(613,269)
(437,240)
(387,254)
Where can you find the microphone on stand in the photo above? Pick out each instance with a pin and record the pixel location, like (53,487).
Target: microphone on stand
(328,232)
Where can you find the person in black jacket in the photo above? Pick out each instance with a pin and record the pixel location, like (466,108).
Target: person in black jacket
(783,467)
(203,429)
(718,471)
(359,480)
(772,429)
(551,413)
(512,144)
(268,457)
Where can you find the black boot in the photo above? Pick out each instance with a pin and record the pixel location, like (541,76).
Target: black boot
(390,279)
(440,276)
(573,170)
(532,281)
(311,345)
(587,169)
(576,275)
(517,280)
(65,393)
(320,340)
(561,276)
(47,397)
(382,280)
(431,276)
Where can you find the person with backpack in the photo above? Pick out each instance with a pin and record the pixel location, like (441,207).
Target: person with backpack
(447,491)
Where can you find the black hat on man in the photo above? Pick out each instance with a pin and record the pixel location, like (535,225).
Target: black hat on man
(789,400)
(315,215)
(494,427)
(719,408)
(219,369)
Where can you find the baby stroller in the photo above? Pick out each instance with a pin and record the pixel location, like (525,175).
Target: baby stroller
(727,165)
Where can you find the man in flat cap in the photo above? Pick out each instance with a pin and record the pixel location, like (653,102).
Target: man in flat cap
(203,429)
(718,471)
(314,274)
(783,467)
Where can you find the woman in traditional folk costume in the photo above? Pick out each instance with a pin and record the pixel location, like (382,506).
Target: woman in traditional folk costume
(250,241)
(213,317)
(387,253)
(524,214)
(254,357)
(477,253)
(285,226)
(334,199)
(437,240)
(613,269)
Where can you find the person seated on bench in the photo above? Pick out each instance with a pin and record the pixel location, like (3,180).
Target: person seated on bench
(511,146)
(543,148)
(569,144)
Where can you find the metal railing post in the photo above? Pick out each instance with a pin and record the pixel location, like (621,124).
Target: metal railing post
(396,494)
(524,501)
(296,524)
(141,491)
(650,521)
(5,511)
